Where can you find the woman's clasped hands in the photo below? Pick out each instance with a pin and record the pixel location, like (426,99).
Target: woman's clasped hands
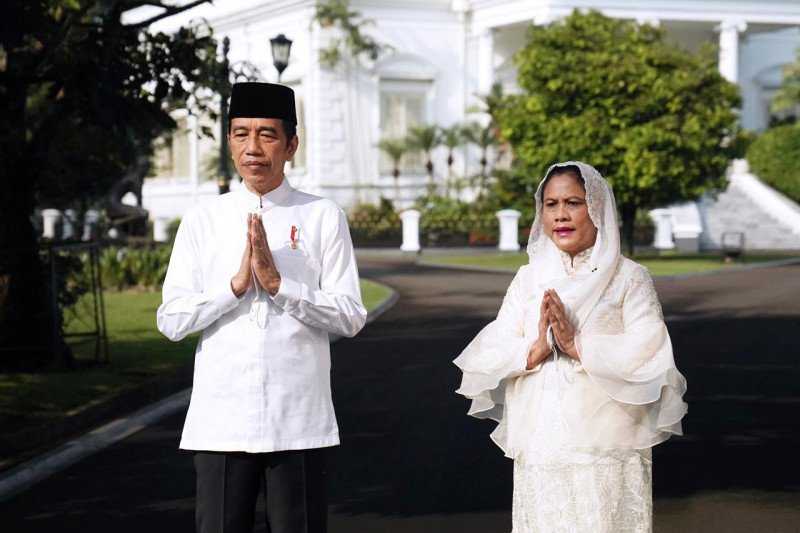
(552,313)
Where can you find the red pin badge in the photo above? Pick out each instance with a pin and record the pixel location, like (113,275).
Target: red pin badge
(293,237)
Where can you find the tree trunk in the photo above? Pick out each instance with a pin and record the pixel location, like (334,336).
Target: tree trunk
(30,336)
(449,179)
(396,176)
(628,221)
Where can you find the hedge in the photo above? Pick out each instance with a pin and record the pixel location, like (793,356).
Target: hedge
(775,158)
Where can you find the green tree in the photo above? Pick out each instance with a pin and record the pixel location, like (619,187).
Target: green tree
(451,138)
(659,122)
(83,95)
(485,138)
(424,139)
(395,149)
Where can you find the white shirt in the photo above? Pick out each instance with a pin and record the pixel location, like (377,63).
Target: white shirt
(262,366)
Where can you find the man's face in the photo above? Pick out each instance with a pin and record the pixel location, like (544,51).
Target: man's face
(260,149)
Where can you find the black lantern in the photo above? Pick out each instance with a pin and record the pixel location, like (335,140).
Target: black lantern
(281,47)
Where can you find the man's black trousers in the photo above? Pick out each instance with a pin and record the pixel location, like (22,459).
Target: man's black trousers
(292,482)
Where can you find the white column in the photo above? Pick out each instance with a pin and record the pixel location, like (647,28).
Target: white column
(485,61)
(68,226)
(509,233)
(327,159)
(663,235)
(50,219)
(90,224)
(160,229)
(729,31)
(410,218)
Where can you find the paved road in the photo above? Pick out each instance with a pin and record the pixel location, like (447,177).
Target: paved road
(413,462)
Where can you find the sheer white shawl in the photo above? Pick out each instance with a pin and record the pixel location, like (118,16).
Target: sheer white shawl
(626,391)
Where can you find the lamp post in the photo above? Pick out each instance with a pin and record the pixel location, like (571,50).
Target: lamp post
(224,179)
(238,71)
(281,47)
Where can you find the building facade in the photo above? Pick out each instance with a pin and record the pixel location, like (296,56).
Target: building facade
(443,54)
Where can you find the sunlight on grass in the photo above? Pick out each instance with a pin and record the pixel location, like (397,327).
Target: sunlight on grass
(372,294)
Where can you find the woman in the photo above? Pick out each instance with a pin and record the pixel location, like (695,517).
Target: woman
(577,368)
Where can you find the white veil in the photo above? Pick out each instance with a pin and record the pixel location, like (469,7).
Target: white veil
(580,294)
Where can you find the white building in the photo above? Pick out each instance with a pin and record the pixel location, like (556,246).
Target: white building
(443,54)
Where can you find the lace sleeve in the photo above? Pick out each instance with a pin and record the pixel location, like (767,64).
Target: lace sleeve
(497,353)
(634,371)
(641,302)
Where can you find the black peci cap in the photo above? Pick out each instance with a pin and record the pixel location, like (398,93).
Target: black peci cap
(262,100)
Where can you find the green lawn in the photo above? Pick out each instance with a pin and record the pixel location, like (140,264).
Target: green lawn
(137,352)
(666,264)
(373,293)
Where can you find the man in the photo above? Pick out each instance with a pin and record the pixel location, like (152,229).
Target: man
(266,273)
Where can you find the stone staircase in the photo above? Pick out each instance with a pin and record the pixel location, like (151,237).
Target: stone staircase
(768,219)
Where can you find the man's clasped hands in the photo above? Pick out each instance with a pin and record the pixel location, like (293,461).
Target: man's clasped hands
(258,265)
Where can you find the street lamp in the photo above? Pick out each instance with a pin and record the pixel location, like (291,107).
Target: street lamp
(238,71)
(281,47)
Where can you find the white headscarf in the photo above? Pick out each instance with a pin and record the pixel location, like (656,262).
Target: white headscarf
(580,293)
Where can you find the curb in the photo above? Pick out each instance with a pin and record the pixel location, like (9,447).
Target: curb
(667,277)
(31,472)
(31,442)
(25,475)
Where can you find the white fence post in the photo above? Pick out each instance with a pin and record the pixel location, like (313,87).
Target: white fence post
(90,224)
(662,240)
(160,225)
(509,231)
(68,227)
(410,218)
(50,219)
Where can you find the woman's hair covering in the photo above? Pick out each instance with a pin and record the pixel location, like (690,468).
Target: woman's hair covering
(544,255)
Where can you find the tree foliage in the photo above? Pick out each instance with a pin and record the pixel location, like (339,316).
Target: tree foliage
(83,96)
(659,122)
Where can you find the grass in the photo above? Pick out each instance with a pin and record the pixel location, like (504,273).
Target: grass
(373,293)
(665,264)
(138,352)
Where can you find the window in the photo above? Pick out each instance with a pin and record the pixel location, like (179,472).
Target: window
(171,152)
(403,105)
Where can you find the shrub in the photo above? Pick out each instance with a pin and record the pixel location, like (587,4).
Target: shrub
(775,157)
(172,229)
(448,222)
(126,267)
(375,225)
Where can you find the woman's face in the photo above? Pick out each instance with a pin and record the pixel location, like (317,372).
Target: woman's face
(565,214)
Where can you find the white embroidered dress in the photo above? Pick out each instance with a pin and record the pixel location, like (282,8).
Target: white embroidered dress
(580,433)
